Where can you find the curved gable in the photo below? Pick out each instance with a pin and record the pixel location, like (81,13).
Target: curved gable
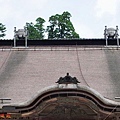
(52,101)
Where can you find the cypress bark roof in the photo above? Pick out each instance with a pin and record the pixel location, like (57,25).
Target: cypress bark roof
(24,72)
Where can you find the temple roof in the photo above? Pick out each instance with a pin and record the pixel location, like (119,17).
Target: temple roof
(25,71)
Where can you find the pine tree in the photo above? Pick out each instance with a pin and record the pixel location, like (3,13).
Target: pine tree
(2,30)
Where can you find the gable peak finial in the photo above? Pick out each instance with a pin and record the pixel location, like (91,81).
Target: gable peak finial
(67,80)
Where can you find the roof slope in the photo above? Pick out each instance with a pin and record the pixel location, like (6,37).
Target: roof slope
(24,72)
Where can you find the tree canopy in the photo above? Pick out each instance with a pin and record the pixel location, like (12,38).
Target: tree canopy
(2,30)
(36,31)
(61,26)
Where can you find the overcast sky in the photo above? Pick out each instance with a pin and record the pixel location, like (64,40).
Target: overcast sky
(88,16)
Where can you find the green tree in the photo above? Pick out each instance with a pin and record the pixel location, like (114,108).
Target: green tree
(2,30)
(36,31)
(52,29)
(39,26)
(31,30)
(61,26)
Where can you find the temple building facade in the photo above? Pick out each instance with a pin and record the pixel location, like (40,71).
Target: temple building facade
(60,79)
